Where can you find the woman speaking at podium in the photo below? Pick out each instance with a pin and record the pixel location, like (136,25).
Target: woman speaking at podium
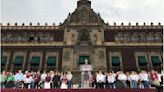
(86,76)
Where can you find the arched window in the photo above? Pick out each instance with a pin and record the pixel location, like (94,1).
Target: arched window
(9,37)
(119,37)
(135,37)
(40,36)
(51,38)
(45,38)
(150,37)
(15,37)
(3,37)
(158,37)
(31,37)
(19,38)
(24,37)
(142,37)
(127,37)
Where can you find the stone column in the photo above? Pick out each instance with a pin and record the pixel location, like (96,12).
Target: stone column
(43,61)
(93,63)
(10,61)
(149,61)
(74,59)
(27,60)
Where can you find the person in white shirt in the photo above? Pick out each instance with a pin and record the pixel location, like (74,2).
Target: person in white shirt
(122,77)
(110,79)
(144,78)
(63,79)
(24,76)
(114,74)
(47,83)
(43,77)
(52,73)
(100,79)
(69,79)
(27,80)
(134,77)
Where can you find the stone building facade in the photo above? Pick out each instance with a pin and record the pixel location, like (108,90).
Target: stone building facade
(83,35)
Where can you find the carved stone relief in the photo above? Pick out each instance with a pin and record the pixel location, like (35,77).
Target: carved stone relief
(66,55)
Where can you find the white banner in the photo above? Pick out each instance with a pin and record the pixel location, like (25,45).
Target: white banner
(86,68)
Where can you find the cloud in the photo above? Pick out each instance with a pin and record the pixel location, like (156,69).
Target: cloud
(56,11)
(130,10)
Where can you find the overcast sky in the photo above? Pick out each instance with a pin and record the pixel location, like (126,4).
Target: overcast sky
(55,11)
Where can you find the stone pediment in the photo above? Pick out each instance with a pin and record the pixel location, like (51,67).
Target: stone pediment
(84,14)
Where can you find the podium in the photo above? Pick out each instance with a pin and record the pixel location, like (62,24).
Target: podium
(85,70)
(86,67)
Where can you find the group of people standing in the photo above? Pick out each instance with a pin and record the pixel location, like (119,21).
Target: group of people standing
(32,80)
(54,79)
(131,79)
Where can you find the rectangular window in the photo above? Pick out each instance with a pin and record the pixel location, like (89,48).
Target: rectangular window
(18,61)
(115,61)
(3,60)
(142,60)
(155,60)
(35,60)
(51,61)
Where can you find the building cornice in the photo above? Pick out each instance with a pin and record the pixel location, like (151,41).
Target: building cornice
(53,27)
(132,44)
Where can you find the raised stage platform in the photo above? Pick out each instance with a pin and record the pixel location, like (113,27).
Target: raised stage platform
(78,90)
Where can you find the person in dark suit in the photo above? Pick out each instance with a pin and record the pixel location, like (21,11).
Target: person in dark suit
(56,80)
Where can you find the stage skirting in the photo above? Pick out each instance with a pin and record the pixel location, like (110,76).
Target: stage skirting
(77,90)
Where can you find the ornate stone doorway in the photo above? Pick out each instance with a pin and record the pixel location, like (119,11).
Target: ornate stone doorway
(82,53)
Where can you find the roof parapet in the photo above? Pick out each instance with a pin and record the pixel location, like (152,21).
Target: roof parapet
(30,24)
(22,24)
(114,24)
(129,24)
(122,24)
(38,24)
(16,24)
(53,24)
(46,24)
(8,24)
(159,24)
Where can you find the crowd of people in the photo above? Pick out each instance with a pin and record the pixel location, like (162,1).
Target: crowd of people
(30,80)
(131,79)
(55,79)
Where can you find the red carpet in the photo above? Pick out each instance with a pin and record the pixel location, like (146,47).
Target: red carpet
(78,90)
